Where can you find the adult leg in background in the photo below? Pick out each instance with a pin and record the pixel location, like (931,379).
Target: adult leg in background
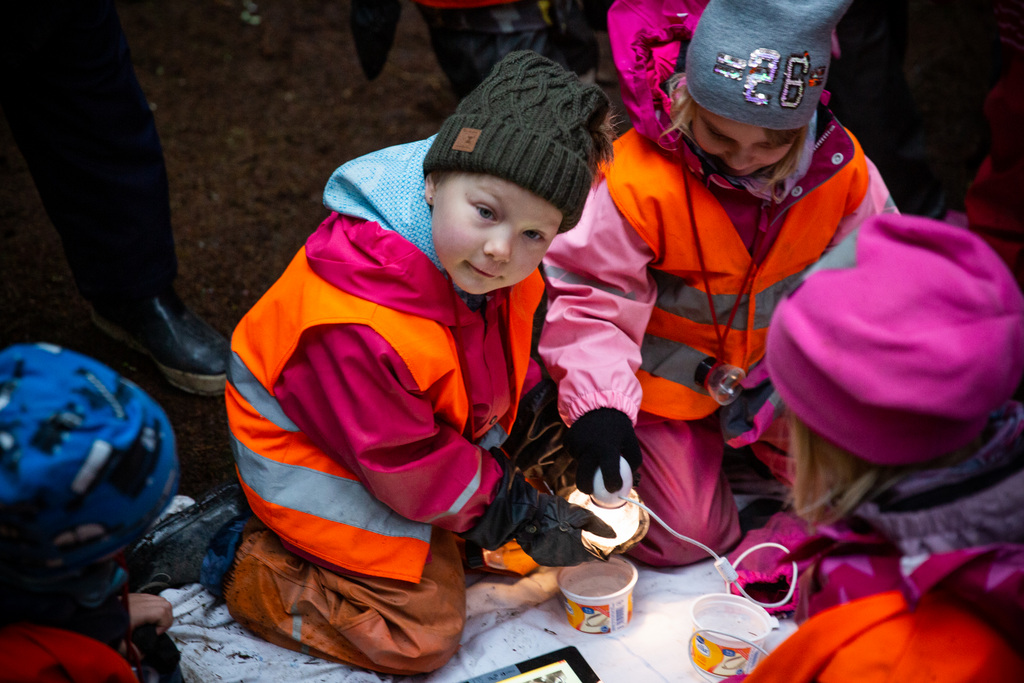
(469,42)
(76,110)
(870,96)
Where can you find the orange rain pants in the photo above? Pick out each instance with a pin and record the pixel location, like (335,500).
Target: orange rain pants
(376,623)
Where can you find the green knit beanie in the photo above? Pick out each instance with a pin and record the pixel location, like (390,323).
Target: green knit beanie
(527,122)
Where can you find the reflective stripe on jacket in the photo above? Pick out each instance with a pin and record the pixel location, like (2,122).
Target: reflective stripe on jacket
(648,190)
(307,497)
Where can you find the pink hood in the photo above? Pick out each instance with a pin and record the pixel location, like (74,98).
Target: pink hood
(380,265)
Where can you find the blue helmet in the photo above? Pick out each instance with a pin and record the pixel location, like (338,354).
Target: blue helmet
(87,462)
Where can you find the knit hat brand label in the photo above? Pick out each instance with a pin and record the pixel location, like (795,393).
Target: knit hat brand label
(466,140)
(529,123)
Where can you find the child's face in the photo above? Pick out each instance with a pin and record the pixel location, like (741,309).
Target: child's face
(489,232)
(741,149)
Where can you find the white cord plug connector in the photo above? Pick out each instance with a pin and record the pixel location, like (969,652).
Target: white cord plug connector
(722,565)
(725,569)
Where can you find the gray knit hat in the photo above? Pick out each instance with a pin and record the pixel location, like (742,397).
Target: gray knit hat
(763,63)
(528,122)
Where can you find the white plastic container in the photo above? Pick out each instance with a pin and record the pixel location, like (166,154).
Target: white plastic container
(727,632)
(598,596)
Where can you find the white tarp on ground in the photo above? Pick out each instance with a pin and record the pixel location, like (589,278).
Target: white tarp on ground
(509,620)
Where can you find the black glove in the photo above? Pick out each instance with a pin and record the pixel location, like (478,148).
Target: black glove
(548,527)
(597,439)
(158,651)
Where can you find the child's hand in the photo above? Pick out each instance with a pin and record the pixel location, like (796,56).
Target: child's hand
(150,609)
(554,536)
(548,527)
(596,440)
(151,616)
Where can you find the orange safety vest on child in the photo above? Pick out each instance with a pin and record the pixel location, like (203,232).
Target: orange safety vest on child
(308,498)
(32,653)
(880,639)
(648,189)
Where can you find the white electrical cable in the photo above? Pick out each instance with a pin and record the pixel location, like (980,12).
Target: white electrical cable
(792,583)
(726,570)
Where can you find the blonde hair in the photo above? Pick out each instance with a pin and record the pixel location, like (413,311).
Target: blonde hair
(684,110)
(601,128)
(829,482)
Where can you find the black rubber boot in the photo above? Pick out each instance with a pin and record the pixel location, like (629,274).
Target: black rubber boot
(192,355)
(171,554)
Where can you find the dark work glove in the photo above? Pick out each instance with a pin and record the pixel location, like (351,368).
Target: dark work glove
(597,439)
(373,25)
(158,651)
(548,527)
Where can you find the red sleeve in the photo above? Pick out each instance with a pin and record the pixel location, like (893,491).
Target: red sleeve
(43,654)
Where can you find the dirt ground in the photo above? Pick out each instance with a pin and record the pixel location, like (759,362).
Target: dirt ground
(255,115)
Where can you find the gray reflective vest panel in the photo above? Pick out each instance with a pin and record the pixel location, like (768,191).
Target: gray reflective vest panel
(324,495)
(676,361)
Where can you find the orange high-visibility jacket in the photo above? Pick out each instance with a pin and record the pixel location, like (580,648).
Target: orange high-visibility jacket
(647,188)
(880,639)
(301,493)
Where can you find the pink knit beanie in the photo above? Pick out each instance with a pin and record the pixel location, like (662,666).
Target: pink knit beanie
(899,355)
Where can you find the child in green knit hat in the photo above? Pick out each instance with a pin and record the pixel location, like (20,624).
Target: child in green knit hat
(371,387)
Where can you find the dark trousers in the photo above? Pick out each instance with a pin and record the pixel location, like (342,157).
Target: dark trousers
(871,97)
(79,117)
(469,42)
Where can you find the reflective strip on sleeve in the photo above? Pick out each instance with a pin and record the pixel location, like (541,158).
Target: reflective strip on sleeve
(672,361)
(562,275)
(467,493)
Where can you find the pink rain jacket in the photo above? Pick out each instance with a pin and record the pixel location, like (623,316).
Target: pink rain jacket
(958,529)
(602,297)
(351,393)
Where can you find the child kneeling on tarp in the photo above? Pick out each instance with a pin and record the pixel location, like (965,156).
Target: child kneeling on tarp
(370,387)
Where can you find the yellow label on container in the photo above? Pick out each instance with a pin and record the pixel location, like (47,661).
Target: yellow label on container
(598,618)
(718,660)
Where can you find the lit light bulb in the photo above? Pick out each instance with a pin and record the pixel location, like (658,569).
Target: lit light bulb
(629,522)
(613,499)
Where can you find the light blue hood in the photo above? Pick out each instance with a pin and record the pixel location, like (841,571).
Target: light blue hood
(387,187)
